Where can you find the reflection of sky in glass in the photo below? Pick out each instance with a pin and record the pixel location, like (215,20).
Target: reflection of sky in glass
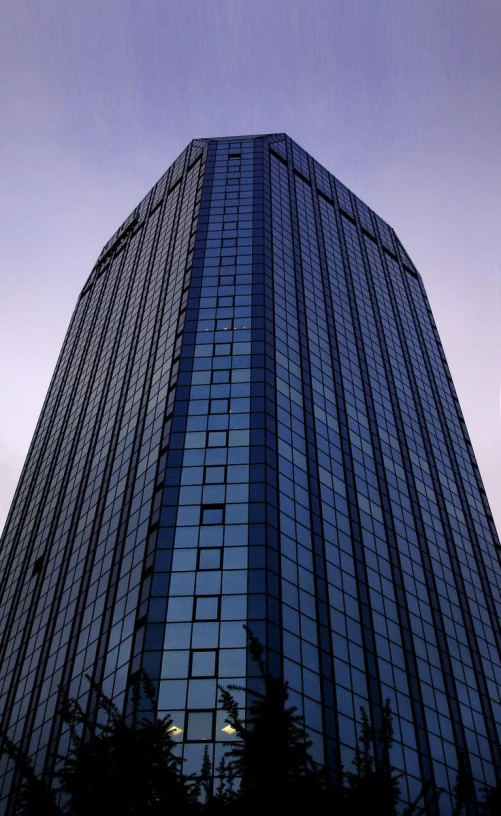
(339,533)
(200,725)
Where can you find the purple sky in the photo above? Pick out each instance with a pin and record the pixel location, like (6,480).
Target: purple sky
(399,99)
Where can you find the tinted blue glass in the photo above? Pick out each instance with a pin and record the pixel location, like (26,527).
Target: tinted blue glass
(252,421)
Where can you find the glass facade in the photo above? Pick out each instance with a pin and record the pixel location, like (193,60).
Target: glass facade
(252,422)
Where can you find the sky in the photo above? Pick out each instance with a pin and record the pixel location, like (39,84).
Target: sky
(400,99)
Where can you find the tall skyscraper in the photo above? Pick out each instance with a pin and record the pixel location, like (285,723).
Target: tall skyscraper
(252,422)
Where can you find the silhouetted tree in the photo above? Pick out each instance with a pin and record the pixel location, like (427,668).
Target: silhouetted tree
(121,763)
(271,756)
(464,791)
(491,803)
(35,798)
(373,787)
(124,763)
(215,795)
(427,797)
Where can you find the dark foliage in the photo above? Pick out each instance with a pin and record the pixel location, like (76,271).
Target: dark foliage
(427,798)
(126,764)
(464,792)
(491,804)
(121,764)
(35,798)
(272,757)
(373,787)
(215,796)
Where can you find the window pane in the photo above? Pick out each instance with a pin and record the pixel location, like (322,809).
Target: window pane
(203,664)
(212,514)
(208,608)
(200,725)
(210,559)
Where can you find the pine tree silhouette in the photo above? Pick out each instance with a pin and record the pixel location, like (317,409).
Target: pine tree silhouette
(271,756)
(124,763)
(373,787)
(120,764)
(464,791)
(491,803)
(36,797)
